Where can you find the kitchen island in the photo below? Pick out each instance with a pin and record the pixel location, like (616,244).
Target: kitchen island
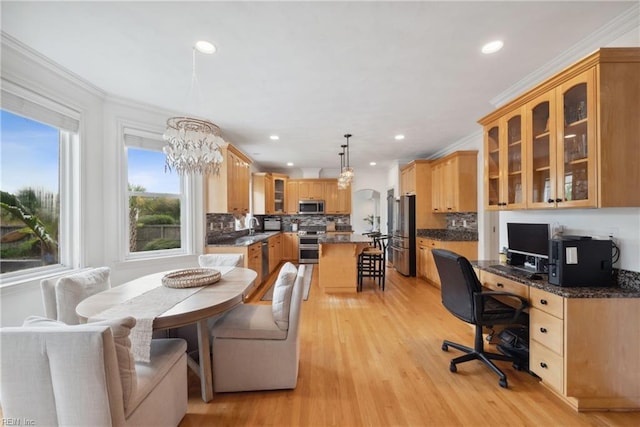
(338,261)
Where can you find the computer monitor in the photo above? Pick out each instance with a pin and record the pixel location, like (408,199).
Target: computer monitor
(528,239)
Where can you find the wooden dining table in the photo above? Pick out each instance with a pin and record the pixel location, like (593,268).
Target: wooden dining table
(210,301)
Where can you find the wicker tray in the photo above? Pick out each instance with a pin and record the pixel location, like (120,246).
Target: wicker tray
(191,277)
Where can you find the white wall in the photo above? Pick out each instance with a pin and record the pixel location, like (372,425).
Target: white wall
(623,223)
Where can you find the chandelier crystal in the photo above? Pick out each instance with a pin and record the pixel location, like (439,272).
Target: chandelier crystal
(346,171)
(193,144)
(342,184)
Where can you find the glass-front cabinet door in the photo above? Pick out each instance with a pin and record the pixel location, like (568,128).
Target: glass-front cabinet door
(541,159)
(514,176)
(575,116)
(279,186)
(492,167)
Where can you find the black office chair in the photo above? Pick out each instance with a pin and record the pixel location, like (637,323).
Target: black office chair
(372,261)
(463,296)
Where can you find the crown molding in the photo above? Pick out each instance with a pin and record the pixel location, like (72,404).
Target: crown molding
(606,34)
(463,143)
(11,43)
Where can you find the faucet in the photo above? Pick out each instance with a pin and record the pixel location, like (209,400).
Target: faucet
(254,222)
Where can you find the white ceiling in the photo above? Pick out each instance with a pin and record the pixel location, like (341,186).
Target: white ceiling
(312,71)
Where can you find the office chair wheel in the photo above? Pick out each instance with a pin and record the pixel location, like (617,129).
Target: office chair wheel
(445,347)
(452,367)
(503,383)
(517,367)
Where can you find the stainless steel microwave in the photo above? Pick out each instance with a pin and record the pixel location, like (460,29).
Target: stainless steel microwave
(311,207)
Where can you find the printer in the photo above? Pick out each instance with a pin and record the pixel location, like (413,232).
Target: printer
(580,261)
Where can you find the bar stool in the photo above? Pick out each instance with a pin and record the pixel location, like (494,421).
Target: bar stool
(372,261)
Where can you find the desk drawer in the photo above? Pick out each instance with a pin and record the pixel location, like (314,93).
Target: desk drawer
(547,365)
(501,284)
(547,330)
(547,302)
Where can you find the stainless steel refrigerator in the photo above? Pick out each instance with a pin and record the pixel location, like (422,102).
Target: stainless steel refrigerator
(403,243)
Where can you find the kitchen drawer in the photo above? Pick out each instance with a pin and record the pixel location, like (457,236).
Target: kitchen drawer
(547,302)
(547,365)
(255,248)
(501,284)
(547,330)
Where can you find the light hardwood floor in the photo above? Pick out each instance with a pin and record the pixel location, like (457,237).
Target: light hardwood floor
(375,359)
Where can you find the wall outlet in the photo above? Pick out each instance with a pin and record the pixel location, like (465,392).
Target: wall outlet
(464,223)
(453,222)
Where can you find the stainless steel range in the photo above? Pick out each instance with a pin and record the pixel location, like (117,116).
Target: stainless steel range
(308,247)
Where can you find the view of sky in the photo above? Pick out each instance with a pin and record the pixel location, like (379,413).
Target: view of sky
(28,154)
(29,158)
(146,169)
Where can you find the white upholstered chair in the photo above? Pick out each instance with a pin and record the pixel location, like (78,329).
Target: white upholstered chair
(85,375)
(257,347)
(61,295)
(221,260)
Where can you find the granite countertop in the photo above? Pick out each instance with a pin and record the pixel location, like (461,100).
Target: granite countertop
(566,292)
(448,235)
(343,238)
(245,240)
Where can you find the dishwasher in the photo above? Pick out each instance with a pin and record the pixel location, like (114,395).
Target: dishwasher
(265,259)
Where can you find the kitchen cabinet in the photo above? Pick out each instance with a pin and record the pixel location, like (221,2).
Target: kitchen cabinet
(251,257)
(425,263)
(415,179)
(254,261)
(228,192)
(293,196)
(311,189)
(279,193)
(275,252)
(290,247)
(408,179)
(504,156)
(454,183)
(337,201)
(579,130)
(269,193)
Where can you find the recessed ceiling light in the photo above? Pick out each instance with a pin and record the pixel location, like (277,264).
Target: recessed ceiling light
(492,47)
(372,163)
(204,46)
(289,163)
(274,137)
(399,137)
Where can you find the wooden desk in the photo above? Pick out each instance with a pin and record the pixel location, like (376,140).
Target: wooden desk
(225,294)
(583,341)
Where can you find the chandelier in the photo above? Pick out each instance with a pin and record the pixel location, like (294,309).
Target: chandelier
(346,171)
(193,144)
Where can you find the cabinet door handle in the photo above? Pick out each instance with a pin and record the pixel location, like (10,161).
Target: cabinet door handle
(500,285)
(543,302)
(558,200)
(543,365)
(543,330)
(549,200)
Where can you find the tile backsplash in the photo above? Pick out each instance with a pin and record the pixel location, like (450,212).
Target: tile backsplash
(221,225)
(463,221)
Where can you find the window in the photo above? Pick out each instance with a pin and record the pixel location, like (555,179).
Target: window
(39,141)
(155,201)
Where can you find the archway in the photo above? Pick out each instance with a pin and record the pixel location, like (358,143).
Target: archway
(366,211)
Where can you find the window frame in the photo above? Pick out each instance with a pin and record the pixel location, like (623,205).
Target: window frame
(135,136)
(23,102)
